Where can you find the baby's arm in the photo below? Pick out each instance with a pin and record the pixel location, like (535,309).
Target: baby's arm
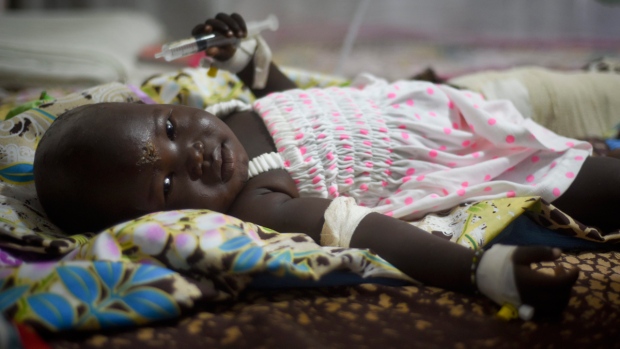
(234,25)
(425,257)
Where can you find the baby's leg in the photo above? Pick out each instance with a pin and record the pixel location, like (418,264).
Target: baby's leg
(594,196)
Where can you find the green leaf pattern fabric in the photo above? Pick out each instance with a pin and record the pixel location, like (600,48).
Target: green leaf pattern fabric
(155,267)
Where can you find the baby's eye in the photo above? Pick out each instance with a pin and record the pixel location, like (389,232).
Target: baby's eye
(167,185)
(170,130)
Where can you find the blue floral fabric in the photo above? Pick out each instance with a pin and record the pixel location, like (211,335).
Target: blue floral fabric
(156,267)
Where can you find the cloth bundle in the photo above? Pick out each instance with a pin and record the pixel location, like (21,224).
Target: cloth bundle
(574,104)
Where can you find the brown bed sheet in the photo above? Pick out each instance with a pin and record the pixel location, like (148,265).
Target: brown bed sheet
(378,316)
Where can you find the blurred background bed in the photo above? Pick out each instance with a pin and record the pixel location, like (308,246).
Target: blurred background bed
(393,38)
(64,46)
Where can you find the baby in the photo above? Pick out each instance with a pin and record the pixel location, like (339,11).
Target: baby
(296,160)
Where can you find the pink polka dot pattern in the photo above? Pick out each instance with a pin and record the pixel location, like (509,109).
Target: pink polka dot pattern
(411,148)
(333,191)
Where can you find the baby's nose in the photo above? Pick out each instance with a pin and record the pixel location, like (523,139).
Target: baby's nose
(195,159)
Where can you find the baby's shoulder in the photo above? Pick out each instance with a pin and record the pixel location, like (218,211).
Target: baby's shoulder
(251,131)
(263,191)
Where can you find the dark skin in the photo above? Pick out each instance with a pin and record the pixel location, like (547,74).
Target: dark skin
(187,172)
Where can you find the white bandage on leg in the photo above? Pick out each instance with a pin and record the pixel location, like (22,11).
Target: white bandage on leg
(495,279)
(250,48)
(341,218)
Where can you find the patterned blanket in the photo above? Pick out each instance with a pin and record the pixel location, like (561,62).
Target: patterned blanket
(379,316)
(171,265)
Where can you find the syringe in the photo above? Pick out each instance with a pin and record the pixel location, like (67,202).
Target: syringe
(188,46)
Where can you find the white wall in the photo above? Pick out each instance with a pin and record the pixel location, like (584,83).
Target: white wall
(577,20)
(586,21)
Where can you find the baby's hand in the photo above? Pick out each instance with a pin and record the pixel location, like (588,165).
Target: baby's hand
(548,294)
(227,25)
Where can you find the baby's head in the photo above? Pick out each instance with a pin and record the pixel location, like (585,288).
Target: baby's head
(101,164)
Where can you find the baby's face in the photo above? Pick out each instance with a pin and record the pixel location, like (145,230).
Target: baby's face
(151,158)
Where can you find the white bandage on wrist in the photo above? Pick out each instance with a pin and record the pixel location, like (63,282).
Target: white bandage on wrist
(250,48)
(495,279)
(342,217)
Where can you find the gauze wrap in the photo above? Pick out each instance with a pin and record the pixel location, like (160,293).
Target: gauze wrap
(495,279)
(342,217)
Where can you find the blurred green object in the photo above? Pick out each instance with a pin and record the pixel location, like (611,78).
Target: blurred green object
(44,98)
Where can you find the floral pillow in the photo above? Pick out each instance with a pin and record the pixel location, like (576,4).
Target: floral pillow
(23,224)
(21,215)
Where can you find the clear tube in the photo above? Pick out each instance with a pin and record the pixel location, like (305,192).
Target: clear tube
(185,47)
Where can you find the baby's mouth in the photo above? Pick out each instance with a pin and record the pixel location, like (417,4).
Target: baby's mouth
(227,168)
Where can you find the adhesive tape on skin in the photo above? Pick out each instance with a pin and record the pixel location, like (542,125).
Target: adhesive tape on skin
(342,217)
(251,48)
(496,280)
(262,60)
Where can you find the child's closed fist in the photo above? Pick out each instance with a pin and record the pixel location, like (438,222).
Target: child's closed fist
(548,294)
(226,25)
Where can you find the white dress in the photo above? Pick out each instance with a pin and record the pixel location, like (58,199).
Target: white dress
(411,147)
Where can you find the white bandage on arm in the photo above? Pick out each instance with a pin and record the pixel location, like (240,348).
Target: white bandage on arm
(495,279)
(251,48)
(342,217)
